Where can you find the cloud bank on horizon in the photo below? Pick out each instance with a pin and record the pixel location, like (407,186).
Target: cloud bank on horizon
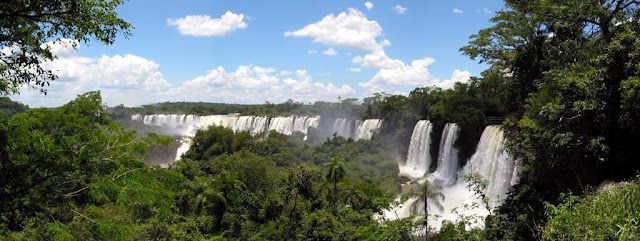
(135,80)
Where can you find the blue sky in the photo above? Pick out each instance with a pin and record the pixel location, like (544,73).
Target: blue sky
(255,51)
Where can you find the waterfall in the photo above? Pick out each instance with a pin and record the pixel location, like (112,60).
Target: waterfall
(367,128)
(302,124)
(259,125)
(494,163)
(187,125)
(244,123)
(345,127)
(490,160)
(356,129)
(137,117)
(229,122)
(282,125)
(185,144)
(447,156)
(418,158)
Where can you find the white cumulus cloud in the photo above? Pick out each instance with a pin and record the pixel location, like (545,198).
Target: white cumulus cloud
(204,25)
(330,52)
(62,48)
(368,5)
(353,30)
(377,59)
(458,76)
(254,84)
(458,11)
(122,79)
(349,29)
(400,9)
(133,80)
(402,75)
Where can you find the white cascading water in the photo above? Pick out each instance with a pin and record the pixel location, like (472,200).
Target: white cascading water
(344,127)
(259,125)
(491,161)
(186,125)
(302,124)
(244,123)
(356,129)
(418,157)
(282,124)
(446,172)
(494,163)
(367,128)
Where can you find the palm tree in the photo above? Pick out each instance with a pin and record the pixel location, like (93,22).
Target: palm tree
(425,192)
(335,174)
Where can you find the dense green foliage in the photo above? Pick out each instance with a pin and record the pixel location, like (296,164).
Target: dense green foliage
(9,108)
(570,69)
(612,213)
(53,159)
(28,25)
(73,172)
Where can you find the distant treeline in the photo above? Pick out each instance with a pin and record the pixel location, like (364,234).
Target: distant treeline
(345,108)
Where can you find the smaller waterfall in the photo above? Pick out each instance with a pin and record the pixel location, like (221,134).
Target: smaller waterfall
(356,129)
(418,158)
(494,163)
(302,124)
(244,123)
(229,122)
(259,125)
(447,156)
(282,125)
(137,117)
(345,127)
(367,128)
(185,144)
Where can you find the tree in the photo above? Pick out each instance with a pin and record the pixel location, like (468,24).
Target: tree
(9,108)
(27,26)
(50,158)
(335,174)
(478,186)
(571,70)
(423,193)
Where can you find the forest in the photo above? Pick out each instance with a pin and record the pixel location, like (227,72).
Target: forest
(563,81)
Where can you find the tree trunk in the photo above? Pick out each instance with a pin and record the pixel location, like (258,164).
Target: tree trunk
(292,228)
(335,193)
(426,220)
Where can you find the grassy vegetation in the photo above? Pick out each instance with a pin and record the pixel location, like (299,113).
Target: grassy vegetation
(609,213)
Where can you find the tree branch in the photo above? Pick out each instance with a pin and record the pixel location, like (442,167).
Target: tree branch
(125,173)
(71,194)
